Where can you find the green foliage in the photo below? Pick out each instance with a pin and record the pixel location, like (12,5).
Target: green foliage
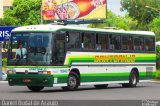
(155,27)
(4,62)
(138,11)
(157,74)
(158,57)
(112,20)
(24,12)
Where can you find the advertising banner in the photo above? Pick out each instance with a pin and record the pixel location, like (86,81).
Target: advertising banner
(5,32)
(73,9)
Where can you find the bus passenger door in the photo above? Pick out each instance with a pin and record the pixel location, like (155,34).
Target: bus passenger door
(60,51)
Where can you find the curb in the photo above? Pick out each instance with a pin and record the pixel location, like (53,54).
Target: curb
(156,81)
(3,81)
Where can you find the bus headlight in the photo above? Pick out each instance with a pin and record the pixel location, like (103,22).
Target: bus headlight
(44,72)
(11,72)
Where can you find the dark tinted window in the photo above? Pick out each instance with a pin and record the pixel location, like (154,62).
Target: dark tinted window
(138,43)
(127,43)
(115,43)
(88,41)
(73,40)
(102,42)
(149,44)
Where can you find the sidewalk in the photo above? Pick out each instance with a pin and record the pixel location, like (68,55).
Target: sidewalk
(156,81)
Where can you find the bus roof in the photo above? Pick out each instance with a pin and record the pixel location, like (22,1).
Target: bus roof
(53,28)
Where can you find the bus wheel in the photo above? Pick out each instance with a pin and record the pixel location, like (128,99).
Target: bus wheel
(133,79)
(73,81)
(35,88)
(101,86)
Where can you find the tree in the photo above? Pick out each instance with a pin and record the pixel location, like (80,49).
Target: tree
(138,11)
(119,22)
(158,57)
(126,23)
(155,27)
(24,12)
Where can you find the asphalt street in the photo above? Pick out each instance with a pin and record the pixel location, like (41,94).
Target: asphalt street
(114,92)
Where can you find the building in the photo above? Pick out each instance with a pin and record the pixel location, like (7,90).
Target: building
(5,4)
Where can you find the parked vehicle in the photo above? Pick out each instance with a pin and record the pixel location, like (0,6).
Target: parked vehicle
(4,76)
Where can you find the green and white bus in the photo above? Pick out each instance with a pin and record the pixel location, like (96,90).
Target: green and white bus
(69,57)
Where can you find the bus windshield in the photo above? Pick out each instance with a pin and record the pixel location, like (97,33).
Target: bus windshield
(30,49)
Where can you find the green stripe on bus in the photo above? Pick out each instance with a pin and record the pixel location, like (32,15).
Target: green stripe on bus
(91,58)
(100,77)
(104,74)
(103,78)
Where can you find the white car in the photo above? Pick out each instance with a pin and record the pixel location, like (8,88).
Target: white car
(4,76)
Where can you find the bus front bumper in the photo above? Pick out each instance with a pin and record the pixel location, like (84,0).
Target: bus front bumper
(30,80)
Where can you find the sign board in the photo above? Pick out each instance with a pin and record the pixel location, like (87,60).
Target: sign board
(5,31)
(73,9)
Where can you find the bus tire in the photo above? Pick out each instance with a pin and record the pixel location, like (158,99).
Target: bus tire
(73,81)
(101,86)
(35,88)
(133,79)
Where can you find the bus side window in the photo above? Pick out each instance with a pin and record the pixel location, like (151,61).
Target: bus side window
(115,42)
(73,40)
(138,43)
(127,43)
(101,41)
(149,44)
(88,41)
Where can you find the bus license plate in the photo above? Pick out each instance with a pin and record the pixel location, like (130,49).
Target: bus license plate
(27,80)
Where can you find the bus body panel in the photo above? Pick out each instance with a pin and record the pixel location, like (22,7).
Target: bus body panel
(103,71)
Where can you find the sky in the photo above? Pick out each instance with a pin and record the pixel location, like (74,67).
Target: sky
(114,6)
